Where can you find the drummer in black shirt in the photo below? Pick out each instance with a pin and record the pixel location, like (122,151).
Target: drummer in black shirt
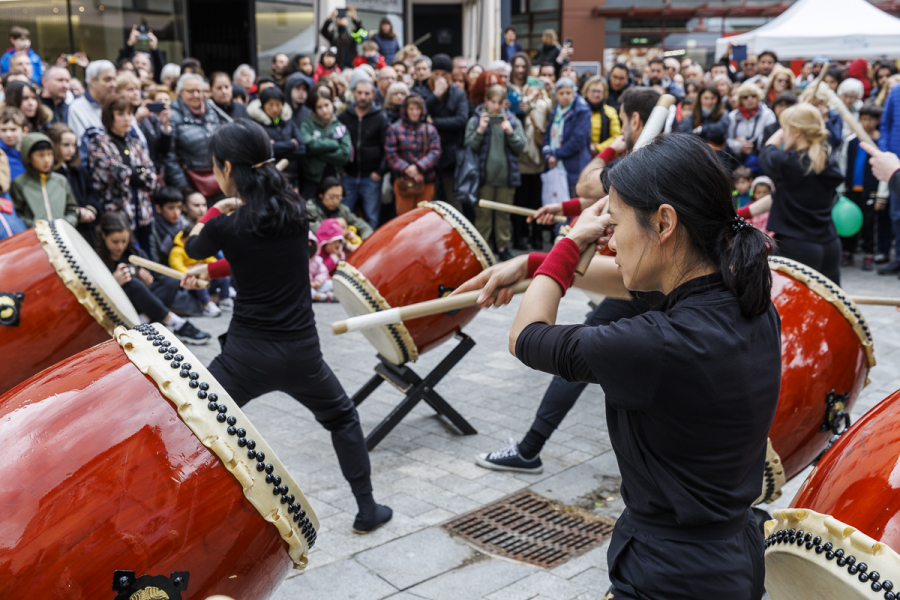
(691,388)
(272,342)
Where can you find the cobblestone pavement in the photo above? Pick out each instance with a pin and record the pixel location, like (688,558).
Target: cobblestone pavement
(425,470)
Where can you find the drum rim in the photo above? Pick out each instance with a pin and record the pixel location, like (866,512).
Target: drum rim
(349,278)
(876,555)
(55,238)
(773,476)
(834,295)
(476,243)
(146,347)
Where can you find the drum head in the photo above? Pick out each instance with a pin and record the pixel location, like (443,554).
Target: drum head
(811,556)
(85,275)
(359,297)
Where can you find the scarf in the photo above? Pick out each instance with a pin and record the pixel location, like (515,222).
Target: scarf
(556,131)
(595,107)
(329,214)
(198,112)
(747,113)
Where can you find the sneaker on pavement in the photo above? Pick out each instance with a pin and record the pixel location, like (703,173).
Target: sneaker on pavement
(509,459)
(880,258)
(868,263)
(211,310)
(191,335)
(891,269)
(226,304)
(846,259)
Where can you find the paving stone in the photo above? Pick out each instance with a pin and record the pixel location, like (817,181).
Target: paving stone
(473,581)
(407,505)
(595,579)
(547,585)
(342,580)
(413,559)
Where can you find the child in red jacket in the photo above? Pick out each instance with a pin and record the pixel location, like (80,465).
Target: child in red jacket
(370,55)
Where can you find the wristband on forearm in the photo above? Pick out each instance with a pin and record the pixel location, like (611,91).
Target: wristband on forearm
(219,269)
(608,155)
(535,260)
(560,264)
(744,212)
(211,214)
(571,208)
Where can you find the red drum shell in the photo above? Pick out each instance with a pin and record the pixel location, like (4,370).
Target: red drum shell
(820,352)
(52,324)
(408,259)
(100,474)
(857,480)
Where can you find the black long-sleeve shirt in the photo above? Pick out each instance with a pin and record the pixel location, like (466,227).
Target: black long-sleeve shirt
(691,390)
(270,274)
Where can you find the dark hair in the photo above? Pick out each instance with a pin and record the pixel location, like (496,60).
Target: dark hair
(39,145)
(715,115)
(194,65)
(622,66)
(115,103)
(870,109)
(168,195)
(512,61)
(216,75)
(836,73)
(768,53)
(238,91)
(109,223)
(742,173)
(320,90)
(55,132)
(390,34)
(14,92)
(657,61)
(18,32)
(272,207)
(513,29)
(328,183)
(272,93)
(655,175)
(890,67)
(788,98)
(640,100)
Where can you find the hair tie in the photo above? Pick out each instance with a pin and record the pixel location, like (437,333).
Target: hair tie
(738,223)
(265,162)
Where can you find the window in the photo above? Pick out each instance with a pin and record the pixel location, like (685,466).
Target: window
(284,29)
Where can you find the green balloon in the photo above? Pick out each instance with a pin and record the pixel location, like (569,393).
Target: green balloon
(847,217)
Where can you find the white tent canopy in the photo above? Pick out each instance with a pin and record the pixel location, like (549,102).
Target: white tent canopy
(838,29)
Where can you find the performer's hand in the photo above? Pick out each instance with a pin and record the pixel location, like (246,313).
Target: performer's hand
(761,206)
(592,226)
(193,276)
(619,145)
(228,205)
(497,278)
(145,276)
(545,214)
(884,164)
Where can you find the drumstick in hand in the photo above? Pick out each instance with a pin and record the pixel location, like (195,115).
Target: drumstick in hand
(416,311)
(516,210)
(162,269)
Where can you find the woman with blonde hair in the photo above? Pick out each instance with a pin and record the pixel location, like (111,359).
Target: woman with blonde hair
(798,159)
(408,55)
(781,80)
(748,123)
(393,100)
(605,125)
(724,85)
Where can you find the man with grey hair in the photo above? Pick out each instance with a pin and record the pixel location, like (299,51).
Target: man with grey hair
(245,76)
(84,113)
(386,76)
(422,72)
(502,69)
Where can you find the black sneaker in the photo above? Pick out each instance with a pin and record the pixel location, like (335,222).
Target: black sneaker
(191,335)
(891,269)
(370,522)
(880,258)
(509,459)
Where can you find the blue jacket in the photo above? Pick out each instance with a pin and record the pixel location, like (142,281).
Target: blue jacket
(574,151)
(37,67)
(870,183)
(505,54)
(387,48)
(890,124)
(10,223)
(835,126)
(14,157)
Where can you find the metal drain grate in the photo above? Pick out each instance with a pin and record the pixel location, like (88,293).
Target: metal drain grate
(532,529)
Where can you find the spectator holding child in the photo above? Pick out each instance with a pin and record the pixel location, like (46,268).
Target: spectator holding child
(20,38)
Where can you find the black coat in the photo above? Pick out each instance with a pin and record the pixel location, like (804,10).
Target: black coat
(367,137)
(300,113)
(158,142)
(714,131)
(235,110)
(79,179)
(285,137)
(449,116)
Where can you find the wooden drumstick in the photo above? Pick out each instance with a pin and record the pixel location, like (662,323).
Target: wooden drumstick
(282,164)
(516,210)
(876,300)
(163,270)
(834,101)
(416,311)
(652,128)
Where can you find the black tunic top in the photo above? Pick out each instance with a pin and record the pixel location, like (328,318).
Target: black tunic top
(271,275)
(691,391)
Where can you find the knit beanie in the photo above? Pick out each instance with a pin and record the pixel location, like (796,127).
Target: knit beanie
(442,62)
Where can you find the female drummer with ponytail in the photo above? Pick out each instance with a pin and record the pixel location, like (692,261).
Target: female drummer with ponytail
(690,387)
(272,342)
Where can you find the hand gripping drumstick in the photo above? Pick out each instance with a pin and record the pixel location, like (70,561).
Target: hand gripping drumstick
(654,126)
(162,269)
(416,311)
(516,210)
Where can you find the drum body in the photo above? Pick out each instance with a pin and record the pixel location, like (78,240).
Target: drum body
(103,473)
(826,353)
(69,300)
(421,255)
(849,506)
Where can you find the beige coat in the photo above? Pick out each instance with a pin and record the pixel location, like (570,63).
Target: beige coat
(531,161)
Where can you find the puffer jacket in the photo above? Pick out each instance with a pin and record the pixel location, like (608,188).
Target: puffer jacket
(283,134)
(751,129)
(890,123)
(574,151)
(190,141)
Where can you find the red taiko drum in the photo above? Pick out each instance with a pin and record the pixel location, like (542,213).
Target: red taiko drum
(841,535)
(421,255)
(127,467)
(826,354)
(57,298)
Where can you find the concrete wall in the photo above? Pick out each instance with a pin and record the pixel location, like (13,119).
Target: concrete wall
(588,33)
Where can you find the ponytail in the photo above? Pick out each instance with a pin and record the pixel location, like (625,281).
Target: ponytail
(806,119)
(682,171)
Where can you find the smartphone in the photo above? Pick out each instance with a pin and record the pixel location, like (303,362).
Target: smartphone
(567,42)
(739,54)
(71,59)
(534,82)
(342,13)
(133,270)
(514,99)
(142,33)
(156,107)
(495,119)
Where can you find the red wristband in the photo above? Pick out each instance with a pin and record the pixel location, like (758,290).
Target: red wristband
(608,155)
(571,208)
(744,213)
(560,264)
(535,260)
(211,214)
(219,269)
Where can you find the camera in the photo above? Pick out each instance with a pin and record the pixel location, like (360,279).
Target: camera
(143,30)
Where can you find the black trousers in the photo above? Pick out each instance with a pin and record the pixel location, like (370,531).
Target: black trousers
(686,565)
(561,395)
(248,368)
(885,229)
(867,232)
(824,258)
(155,300)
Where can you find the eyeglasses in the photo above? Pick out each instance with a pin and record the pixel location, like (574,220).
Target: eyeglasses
(333,197)
(746,97)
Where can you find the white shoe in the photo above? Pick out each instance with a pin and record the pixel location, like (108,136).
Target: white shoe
(211,310)
(226,304)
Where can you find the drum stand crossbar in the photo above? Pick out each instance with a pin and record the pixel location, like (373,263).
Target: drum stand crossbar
(415,389)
